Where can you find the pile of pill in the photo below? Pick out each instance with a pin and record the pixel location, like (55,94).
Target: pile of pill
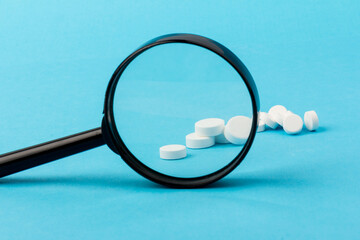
(279,116)
(211,131)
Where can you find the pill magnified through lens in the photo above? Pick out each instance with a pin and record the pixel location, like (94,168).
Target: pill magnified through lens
(187,95)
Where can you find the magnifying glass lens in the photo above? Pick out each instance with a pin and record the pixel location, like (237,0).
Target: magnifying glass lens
(165,91)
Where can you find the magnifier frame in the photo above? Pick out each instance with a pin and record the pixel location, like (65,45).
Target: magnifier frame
(115,142)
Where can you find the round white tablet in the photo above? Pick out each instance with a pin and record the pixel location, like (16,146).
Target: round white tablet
(209,127)
(278,109)
(263,116)
(195,141)
(293,124)
(278,117)
(173,151)
(261,126)
(237,130)
(311,120)
(288,113)
(271,122)
(221,138)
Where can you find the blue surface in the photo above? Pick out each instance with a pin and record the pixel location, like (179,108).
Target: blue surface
(56,59)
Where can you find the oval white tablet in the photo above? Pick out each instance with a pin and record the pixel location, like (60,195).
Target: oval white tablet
(271,122)
(278,109)
(209,127)
(237,130)
(221,138)
(311,120)
(195,141)
(261,126)
(173,151)
(292,124)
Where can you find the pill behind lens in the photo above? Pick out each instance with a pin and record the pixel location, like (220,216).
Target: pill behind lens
(311,120)
(293,124)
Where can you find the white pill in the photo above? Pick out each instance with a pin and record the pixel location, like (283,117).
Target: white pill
(173,151)
(278,117)
(271,122)
(278,109)
(221,138)
(237,130)
(261,126)
(195,141)
(288,113)
(209,127)
(311,120)
(263,116)
(293,124)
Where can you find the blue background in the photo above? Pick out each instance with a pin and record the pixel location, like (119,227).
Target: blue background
(56,59)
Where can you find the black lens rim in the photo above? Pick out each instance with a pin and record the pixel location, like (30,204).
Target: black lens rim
(137,165)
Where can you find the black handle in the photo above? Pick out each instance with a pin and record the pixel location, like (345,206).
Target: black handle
(26,158)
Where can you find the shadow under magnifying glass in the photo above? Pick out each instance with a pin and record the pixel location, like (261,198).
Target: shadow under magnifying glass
(236,181)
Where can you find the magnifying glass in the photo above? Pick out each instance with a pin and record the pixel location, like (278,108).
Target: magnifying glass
(154,98)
